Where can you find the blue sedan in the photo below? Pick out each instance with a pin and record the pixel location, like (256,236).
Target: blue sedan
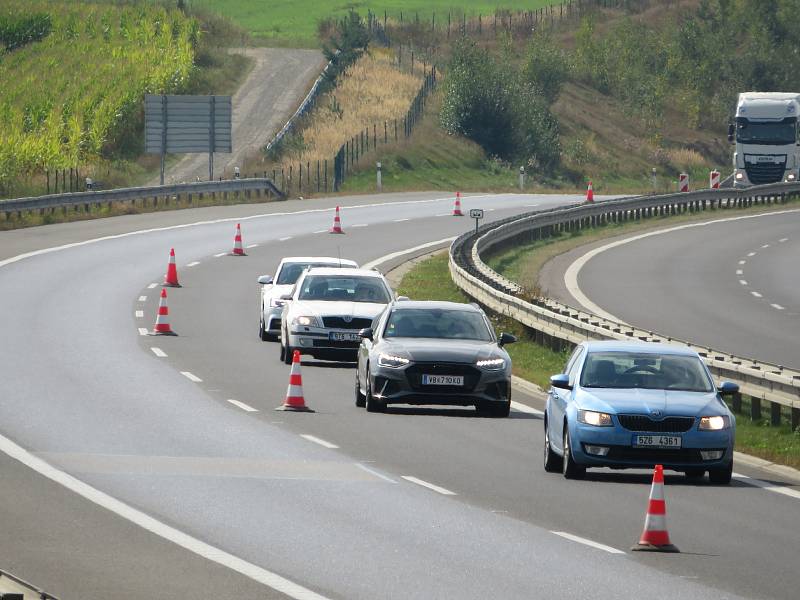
(634,405)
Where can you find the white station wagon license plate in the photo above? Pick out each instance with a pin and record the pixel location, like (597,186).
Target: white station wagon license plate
(337,336)
(657,441)
(442,380)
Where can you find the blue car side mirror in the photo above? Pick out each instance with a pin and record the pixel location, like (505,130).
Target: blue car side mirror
(727,388)
(560,381)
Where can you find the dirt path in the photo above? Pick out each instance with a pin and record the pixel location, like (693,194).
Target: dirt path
(280,79)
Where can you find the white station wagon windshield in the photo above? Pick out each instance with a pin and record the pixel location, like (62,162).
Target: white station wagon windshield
(290,272)
(437,323)
(645,370)
(349,289)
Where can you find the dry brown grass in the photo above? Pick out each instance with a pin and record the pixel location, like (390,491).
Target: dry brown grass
(372,91)
(685,158)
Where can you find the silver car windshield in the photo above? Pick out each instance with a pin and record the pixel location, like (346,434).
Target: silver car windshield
(645,370)
(437,323)
(349,289)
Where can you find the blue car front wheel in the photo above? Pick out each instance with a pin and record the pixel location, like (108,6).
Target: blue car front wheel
(569,467)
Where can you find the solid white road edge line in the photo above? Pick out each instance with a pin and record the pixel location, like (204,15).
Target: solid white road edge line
(571,275)
(242,405)
(586,542)
(191,377)
(319,441)
(158,352)
(765,485)
(374,263)
(430,486)
(524,408)
(160,529)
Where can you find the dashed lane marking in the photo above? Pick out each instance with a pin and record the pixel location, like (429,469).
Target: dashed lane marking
(283,239)
(152,285)
(743,282)
(139,314)
(766,485)
(142,298)
(193,263)
(321,231)
(191,377)
(252,246)
(401,220)
(158,352)
(319,441)
(783,240)
(220,254)
(242,405)
(756,294)
(360,225)
(443,215)
(143,331)
(776,306)
(751,253)
(739,272)
(585,542)
(765,246)
(742,262)
(430,486)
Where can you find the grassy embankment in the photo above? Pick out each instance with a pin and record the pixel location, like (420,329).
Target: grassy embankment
(56,113)
(294,24)
(523,264)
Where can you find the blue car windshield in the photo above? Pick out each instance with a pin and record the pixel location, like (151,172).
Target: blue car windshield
(645,370)
(437,323)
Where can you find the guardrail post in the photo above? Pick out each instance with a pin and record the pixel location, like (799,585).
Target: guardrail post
(736,402)
(795,419)
(774,414)
(755,408)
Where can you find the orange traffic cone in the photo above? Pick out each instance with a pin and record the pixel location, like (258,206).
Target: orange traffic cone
(238,249)
(590,193)
(337,223)
(457,206)
(294,394)
(171,277)
(655,537)
(162,318)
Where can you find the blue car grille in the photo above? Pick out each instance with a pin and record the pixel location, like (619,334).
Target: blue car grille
(652,456)
(645,423)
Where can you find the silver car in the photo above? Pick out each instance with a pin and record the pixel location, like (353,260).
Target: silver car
(289,270)
(326,310)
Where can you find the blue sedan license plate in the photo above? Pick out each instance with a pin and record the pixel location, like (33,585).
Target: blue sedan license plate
(657,441)
(442,380)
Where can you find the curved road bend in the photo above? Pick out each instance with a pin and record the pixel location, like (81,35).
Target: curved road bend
(91,397)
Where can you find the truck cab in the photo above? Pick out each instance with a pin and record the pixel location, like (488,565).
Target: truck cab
(766,134)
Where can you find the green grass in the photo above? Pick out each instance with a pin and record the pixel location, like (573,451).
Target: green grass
(294,24)
(430,280)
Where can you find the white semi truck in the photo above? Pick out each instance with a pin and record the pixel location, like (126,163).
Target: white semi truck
(767,138)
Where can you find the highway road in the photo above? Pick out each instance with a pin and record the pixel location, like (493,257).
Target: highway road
(730,284)
(126,466)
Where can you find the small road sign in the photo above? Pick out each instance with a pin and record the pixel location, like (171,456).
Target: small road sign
(476,213)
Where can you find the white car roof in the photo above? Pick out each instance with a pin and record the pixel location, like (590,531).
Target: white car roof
(319,259)
(344,272)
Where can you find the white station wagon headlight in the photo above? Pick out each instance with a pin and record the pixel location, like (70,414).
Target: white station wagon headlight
(714,423)
(393,362)
(598,419)
(305,320)
(492,364)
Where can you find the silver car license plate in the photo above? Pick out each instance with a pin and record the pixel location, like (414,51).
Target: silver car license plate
(442,380)
(657,441)
(338,336)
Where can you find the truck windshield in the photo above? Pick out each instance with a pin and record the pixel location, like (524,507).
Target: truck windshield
(765,132)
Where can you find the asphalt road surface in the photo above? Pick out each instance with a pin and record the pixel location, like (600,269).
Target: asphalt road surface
(414,503)
(730,284)
(278,82)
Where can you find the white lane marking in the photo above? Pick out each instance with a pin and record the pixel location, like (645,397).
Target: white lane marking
(139,314)
(765,246)
(142,298)
(321,231)
(586,542)
(191,377)
(739,272)
(751,253)
(524,408)
(430,486)
(383,259)
(531,205)
(571,275)
(252,246)
(783,240)
(283,239)
(756,294)
(360,225)
(488,209)
(443,215)
(743,282)
(155,526)
(193,263)
(152,285)
(766,485)
(158,352)
(742,262)
(776,306)
(319,441)
(401,220)
(143,331)
(242,405)
(375,473)
(220,254)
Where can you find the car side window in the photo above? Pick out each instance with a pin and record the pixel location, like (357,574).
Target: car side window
(377,321)
(572,367)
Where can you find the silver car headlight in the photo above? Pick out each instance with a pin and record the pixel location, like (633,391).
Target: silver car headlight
(716,423)
(391,361)
(306,320)
(492,364)
(592,417)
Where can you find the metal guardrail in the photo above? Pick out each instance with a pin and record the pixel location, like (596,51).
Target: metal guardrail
(247,187)
(551,320)
(42,595)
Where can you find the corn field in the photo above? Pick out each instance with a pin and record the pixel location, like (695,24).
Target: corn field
(73,96)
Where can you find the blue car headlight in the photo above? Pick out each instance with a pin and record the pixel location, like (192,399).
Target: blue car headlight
(391,361)
(592,417)
(716,423)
